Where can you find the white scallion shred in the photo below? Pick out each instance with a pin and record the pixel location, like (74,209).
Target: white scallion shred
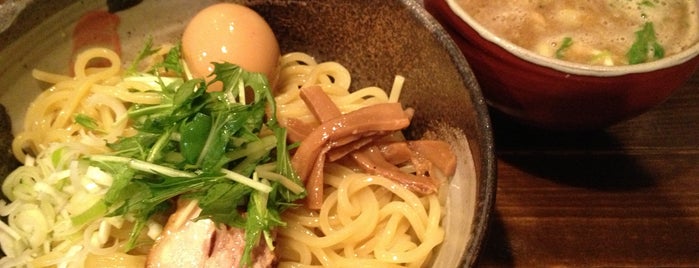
(154,229)
(5,229)
(43,195)
(151,80)
(98,176)
(103,234)
(57,176)
(66,260)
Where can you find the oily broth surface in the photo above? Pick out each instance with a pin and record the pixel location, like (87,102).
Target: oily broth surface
(602,31)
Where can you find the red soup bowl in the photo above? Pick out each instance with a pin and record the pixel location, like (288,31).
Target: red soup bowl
(556,94)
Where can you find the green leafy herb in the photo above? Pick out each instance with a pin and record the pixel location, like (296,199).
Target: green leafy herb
(646,46)
(87,122)
(565,45)
(193,136)
(146,51)
(646,3)
(172,61)
(262,221)
(205,146)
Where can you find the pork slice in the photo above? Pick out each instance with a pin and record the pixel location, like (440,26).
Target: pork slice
(97,28)
(227,248)
(186,242)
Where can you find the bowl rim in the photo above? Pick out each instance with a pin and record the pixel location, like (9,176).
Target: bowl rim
(486,189)
(567,66)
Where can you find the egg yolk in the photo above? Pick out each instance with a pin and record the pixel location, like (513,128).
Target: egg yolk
(229,33)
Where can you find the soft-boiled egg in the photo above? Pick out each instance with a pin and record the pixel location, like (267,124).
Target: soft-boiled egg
(232,33)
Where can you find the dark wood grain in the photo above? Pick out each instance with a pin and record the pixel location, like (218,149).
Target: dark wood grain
(627,195)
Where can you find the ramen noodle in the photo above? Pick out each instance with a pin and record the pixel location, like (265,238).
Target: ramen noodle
(52,186)
(363,219)
(598,32)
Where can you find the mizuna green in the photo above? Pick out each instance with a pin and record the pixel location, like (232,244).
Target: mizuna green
(201,145)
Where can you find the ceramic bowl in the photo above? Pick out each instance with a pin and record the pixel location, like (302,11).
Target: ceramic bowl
(556,94)
(374,40)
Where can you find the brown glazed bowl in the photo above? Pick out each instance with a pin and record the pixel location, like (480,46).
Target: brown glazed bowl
(555,94)
(375,40)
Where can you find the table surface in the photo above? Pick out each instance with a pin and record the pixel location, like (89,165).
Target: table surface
(627,195)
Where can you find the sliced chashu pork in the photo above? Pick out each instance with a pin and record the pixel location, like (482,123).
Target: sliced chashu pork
(186,242)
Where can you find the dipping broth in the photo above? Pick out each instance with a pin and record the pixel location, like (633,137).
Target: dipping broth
(597,32)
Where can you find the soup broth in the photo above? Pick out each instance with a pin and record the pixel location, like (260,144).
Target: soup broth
(598,32)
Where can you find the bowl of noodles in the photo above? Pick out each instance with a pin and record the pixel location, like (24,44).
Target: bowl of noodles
(575,65)
(235,134)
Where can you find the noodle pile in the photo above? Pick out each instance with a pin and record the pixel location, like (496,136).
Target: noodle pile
(364,219)
(300,70)
(53,186)
(100,93)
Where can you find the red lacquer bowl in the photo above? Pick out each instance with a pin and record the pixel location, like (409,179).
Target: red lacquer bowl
(556,94)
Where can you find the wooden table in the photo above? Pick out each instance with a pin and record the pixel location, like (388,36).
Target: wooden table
(627,195)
